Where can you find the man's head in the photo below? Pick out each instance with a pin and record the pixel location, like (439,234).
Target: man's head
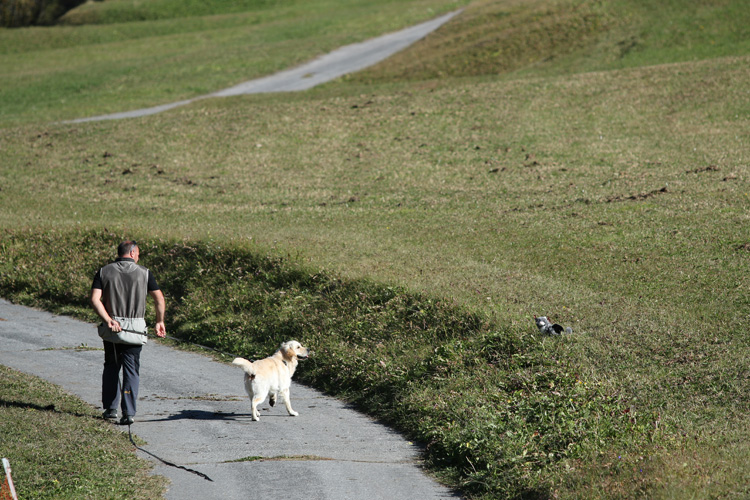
(128,248)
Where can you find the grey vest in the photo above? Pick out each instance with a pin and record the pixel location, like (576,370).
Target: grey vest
(124,290)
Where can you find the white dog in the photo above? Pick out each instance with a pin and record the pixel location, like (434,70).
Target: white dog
(272,375)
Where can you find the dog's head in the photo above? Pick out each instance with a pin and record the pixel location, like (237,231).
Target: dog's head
(541,322)
(294,350)
(545,326)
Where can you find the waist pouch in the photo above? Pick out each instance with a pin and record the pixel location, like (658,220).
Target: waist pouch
(134,331)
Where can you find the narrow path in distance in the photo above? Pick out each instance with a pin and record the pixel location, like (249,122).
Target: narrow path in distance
(345,60)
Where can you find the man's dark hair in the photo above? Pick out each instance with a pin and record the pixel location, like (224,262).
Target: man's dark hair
(126,247)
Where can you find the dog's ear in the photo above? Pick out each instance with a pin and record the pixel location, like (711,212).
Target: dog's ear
(287,351)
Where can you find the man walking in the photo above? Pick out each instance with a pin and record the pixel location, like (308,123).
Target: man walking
(118,295)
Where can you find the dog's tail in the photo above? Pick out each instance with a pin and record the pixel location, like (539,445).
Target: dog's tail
(246,366)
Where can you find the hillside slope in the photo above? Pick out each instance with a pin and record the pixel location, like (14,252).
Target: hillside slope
(408,226)
(546,38)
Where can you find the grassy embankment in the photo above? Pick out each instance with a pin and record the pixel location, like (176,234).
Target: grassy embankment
(59,450)
(121,55)
(423,222)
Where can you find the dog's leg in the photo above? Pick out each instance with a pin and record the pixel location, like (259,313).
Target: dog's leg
(272,399)
(255,401)
(285,395)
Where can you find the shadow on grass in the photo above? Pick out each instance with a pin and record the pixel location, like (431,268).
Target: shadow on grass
(32,406)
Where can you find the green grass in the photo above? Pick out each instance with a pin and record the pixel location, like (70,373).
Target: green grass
(442,375)
(420,223)
(68,72)
(59,448)
(522,38)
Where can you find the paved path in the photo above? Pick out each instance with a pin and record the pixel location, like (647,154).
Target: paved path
(193,411)
(328,67)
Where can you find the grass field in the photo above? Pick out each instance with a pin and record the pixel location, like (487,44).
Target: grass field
(583,160)
(170,54)
(59,450)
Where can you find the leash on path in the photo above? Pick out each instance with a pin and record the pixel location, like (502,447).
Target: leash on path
(130,433)
(204,476)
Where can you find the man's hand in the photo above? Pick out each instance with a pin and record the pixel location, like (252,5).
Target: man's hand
(114,325)
(161,330)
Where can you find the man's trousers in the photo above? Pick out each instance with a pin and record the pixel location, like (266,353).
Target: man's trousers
(127,358)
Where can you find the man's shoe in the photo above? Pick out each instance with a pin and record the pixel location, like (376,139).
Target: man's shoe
(126,420)
(109,415)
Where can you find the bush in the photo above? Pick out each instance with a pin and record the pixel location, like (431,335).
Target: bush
(18,13)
